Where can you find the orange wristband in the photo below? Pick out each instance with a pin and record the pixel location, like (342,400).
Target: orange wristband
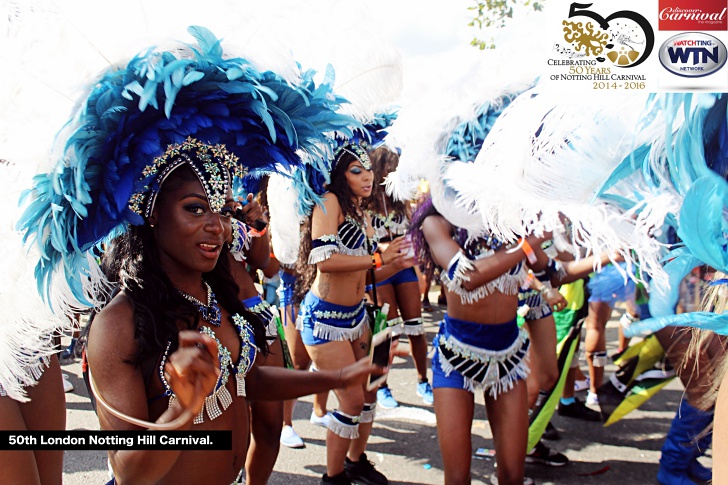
(376,260)
(256,233)
(530,255)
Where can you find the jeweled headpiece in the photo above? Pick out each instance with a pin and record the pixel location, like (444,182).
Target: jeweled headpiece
(212,164)
(357,150)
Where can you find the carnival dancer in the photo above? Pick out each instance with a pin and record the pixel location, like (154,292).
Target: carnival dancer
(31,382)
(250,249)
(175,348)
(390,219)
(285,233)
(479,347)
(536,311)
(699,128)
(332,319)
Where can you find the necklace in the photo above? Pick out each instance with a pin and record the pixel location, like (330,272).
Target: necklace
(211,311)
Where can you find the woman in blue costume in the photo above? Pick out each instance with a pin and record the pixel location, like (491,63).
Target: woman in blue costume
(332,318)
(606,288)
(149,163)
(480,347)
(390,219)
(251,248)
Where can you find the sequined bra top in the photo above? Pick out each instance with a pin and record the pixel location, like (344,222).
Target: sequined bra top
(220,396)
(474,249)
(390,225)
(350,238)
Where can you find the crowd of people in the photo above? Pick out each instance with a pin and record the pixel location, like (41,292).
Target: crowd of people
(155,225)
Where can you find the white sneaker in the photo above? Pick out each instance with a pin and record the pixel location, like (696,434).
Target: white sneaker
(592,399)
(67,386)
(322,421)
(581,385)
(290,438)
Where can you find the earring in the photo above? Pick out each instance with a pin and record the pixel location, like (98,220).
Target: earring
(151,225)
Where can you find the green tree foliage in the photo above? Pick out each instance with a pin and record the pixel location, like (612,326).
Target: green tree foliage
(494,14)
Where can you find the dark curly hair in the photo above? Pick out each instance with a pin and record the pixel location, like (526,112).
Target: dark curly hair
(340,188)
(132,261)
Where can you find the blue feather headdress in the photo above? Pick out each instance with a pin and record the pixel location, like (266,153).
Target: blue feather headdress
(692,162)
(132,114)
(311,181)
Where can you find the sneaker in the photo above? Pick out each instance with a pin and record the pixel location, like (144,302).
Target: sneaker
(526,480)
(68,354)
(290,438)
(424,390)
(544,455)
(385,399)
(582,385)
(363,472)
(340,479)
(592,399)
(67,386)
(322,421)
(551,433)
(578,410)
(426,306)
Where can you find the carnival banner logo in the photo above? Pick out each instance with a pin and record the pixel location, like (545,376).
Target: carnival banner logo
(622,39)
(693,15)
(693,54)
(603,46)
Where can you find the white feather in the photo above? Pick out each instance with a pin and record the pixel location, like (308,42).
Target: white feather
(285,222)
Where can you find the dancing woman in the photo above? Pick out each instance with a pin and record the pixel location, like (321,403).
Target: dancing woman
(479,346)
(390,219)
(175,347)
(251,249)
(332,318)
(31,383)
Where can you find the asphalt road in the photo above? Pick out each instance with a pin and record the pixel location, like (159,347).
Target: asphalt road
(404,446)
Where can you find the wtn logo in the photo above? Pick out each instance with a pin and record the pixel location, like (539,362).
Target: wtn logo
(692,54)
(682,55)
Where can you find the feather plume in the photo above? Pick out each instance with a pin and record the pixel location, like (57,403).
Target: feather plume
(134,111)
(27,324)
(285,218)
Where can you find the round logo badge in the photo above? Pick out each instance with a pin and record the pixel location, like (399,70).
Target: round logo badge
(692,54)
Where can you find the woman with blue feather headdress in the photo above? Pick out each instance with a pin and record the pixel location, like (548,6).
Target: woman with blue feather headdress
(479,348)
(688,159)
(144,182)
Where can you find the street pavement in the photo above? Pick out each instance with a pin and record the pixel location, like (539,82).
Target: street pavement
(404,445)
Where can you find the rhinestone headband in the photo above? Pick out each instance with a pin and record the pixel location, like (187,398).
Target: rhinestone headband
(356,150)
(212,164)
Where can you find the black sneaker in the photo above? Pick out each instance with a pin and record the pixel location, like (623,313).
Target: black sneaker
(340,479)
(551,433)
(363,472)
(578,410)
(544,455)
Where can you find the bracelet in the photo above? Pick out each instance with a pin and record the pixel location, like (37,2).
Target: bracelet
(376,260)
(257,233)
(530,255)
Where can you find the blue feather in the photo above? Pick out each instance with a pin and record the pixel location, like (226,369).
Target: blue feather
(118,129)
